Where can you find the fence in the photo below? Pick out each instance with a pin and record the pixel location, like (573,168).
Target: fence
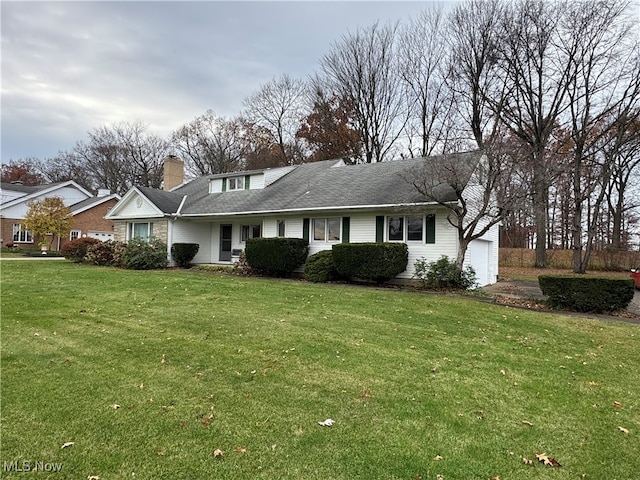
(562,259)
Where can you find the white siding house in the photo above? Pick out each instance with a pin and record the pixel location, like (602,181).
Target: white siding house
(324,202)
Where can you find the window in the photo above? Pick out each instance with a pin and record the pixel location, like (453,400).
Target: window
(236,183)
(326,229)
(281,228)
(411,228)
(74,234)
(20,234)
(250,231)
(143,231)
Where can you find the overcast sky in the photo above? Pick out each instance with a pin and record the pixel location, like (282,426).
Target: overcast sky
(69,67)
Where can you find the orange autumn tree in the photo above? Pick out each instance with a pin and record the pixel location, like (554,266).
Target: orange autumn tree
(48,217)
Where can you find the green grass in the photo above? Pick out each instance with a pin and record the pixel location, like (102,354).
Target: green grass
(251,365)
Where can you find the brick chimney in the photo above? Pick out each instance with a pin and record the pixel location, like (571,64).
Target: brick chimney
(173,172)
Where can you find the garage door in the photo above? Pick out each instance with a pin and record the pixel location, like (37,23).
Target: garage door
(103,236)
(479,259)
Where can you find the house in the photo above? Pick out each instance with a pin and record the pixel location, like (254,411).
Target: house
(88,212)
(324,202)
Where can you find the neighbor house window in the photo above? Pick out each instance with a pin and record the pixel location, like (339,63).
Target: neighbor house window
(142,230)
(235,183)
(326,229)
(250,231)
(281,228)
(20,234)
(74,234)
(408,228)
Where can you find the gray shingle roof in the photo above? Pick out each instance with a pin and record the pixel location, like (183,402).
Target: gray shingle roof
(320,185)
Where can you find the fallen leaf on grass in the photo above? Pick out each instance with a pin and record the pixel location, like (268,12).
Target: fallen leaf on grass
(497,477)
(241,450)
(161,453)
(526,461)
(544,459)
(527,422)
(163,360)
(439,477)
(327,423)
(93,477)
(617,404)
(218,453)
(115,406)
(623,430)
(438,457)
(67,444)
(593,384)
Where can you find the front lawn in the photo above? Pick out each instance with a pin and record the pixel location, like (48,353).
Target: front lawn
(184,374)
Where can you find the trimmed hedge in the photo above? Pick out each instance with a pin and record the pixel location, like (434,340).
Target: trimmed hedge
(183,253)
(320,267)
(76,250)
(444,273)
(276,256)
(370,261)
(587,294)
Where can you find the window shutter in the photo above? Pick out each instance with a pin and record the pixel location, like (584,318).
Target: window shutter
(431,229)
(380,228)
(305,229)
(224,184)
(346,227)
(247,181)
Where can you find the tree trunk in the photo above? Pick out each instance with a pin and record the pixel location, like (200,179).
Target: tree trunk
(540,210)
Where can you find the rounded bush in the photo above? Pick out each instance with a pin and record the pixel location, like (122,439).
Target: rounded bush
(371,261)
(276,256)
(444,273)
(107,253)
(183,253)
(76,250)
(320,267)
(141,255)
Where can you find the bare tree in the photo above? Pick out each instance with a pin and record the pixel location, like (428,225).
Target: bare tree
(604,90)
(422,53)
(278,107)
(536,73)
(362,69)
(211,144)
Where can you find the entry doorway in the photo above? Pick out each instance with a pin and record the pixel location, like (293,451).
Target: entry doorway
(225,243)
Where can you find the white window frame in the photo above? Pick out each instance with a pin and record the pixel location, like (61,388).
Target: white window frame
(325,229)
(74,234)
(235,183)
(24,235)
(249,231)
(405,228)
(131,229)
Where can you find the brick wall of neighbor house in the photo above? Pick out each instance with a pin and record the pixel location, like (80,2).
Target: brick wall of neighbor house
(160,229)
(6,231)
(93,219)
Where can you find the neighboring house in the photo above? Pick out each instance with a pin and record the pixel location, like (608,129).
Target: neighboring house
(88,212)
(324,202)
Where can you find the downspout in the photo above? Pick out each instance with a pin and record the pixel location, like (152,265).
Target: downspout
(173,218)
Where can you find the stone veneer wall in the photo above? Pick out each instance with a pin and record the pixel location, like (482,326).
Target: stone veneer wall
(160,229)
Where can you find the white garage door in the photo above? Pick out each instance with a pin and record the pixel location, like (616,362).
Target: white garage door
(103,236)
(479,260)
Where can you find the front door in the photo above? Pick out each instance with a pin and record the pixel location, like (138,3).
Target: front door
(225,243)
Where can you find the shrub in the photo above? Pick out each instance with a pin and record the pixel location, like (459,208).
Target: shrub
(183,253)
(370,261)
(587,294)
(141,255)
(444,273)
(276,256)
(107,253)
(76,250)
(320,267)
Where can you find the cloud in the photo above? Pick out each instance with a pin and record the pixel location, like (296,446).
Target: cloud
(69,67)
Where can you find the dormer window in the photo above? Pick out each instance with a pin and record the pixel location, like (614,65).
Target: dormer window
(235,183)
